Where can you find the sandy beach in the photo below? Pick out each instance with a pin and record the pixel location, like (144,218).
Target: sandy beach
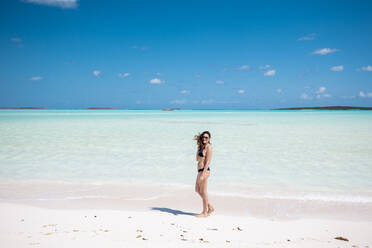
(27,226)
(138,220)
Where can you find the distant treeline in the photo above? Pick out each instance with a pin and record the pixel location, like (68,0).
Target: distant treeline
(171,109)
(21,108)
(327,108)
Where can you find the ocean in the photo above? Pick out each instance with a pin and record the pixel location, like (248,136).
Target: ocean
(322,155)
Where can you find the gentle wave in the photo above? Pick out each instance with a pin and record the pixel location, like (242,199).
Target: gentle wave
(301,197)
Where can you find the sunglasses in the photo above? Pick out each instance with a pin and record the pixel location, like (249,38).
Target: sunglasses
(205,137)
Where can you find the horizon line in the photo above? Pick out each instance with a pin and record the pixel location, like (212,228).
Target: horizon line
(173,109)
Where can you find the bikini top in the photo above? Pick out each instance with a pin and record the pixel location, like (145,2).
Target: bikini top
(201,153)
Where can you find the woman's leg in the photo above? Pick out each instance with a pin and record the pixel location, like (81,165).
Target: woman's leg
(204,195)
(197,186)
(210,207)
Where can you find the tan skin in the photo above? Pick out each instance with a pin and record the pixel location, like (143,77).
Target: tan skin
(202,178)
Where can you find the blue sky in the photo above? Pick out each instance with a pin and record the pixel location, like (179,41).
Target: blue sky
(185,54)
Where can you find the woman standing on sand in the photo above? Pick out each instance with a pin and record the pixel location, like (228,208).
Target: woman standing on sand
(203,156)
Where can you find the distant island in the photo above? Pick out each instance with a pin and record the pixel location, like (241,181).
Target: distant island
(21,108)
(327,108)
(170,109)
(97,108)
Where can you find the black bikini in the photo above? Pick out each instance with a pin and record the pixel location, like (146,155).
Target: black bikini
(201,155)
(200,170)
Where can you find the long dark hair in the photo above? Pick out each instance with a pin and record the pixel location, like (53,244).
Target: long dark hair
(199,139)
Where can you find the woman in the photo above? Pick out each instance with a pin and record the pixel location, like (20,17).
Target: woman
(203,156)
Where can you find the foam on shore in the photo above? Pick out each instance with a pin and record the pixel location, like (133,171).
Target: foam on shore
(258,202)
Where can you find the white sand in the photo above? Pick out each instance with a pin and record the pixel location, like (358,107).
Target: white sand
(28,226)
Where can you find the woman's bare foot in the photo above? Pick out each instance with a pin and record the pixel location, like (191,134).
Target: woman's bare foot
(210,209)
(202,215)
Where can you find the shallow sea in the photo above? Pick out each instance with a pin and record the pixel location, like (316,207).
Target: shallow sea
(324,155)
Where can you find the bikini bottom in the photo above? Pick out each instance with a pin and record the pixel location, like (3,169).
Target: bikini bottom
(200,170)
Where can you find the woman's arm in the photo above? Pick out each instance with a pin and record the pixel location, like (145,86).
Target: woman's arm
(197,155)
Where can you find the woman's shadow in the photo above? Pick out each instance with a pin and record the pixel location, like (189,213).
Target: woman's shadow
(172,211)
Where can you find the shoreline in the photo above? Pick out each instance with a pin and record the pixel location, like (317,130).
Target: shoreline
(280,205)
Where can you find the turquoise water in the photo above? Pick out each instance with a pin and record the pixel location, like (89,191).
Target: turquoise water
(296,150)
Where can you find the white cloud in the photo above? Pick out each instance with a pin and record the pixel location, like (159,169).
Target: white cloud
(321,90)
(337,68)
(16,40)
(241,91)
(64,4)
(184,91)
(143,48)
(220,82)
(364,95)
(37,78)
(320,93)
(211,101)
(96,73)
(123,75)
(270,73)
(366,68)
(306,96)
(279,91)
(156,81)
(244,68)
(308,37)
(324,51)
(178,102)
(264,67)
(324,95)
